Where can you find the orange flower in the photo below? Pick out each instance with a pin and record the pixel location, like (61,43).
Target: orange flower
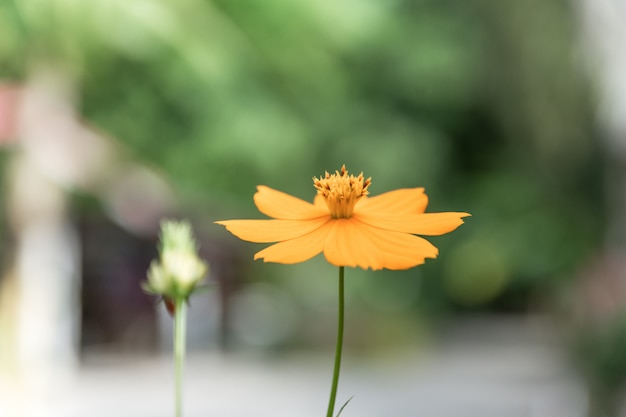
(351,228)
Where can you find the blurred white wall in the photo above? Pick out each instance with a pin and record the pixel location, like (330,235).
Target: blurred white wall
(54,153)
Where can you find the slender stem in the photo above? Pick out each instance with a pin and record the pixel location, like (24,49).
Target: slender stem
(333,390)
(180,316)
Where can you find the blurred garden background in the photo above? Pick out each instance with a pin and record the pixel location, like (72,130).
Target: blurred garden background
(115,114)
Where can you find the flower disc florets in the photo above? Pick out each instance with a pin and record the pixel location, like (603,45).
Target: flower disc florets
(341,191)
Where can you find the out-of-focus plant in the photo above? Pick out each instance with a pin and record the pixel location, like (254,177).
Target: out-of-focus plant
(174,277)
(593,314)
(598,354)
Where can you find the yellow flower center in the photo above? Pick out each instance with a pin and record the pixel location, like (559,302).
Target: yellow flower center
(341,191)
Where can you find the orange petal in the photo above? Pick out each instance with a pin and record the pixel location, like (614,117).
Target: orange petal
(347,245)
(284,206)
(320,201)
(296,250)
(404,200)
(429,224)
(265,231)
(351,243)
(400,250)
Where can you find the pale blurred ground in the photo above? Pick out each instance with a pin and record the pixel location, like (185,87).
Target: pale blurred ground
(479,367)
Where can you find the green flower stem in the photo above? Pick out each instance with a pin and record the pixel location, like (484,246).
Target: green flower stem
(333,390)
(180,318)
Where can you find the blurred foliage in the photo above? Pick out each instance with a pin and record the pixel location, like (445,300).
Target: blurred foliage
(485,103)
(598,355)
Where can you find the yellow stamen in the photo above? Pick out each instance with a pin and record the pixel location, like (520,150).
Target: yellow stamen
(341,191)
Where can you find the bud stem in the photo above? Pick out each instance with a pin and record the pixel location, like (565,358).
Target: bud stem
(180,317)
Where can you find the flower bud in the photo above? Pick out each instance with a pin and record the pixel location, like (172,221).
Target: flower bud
(185,268)
(179,269)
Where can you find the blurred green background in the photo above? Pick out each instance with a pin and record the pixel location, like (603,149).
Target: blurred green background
(485,103)
(480,102)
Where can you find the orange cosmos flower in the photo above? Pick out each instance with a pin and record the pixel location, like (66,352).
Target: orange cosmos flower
(351,228)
